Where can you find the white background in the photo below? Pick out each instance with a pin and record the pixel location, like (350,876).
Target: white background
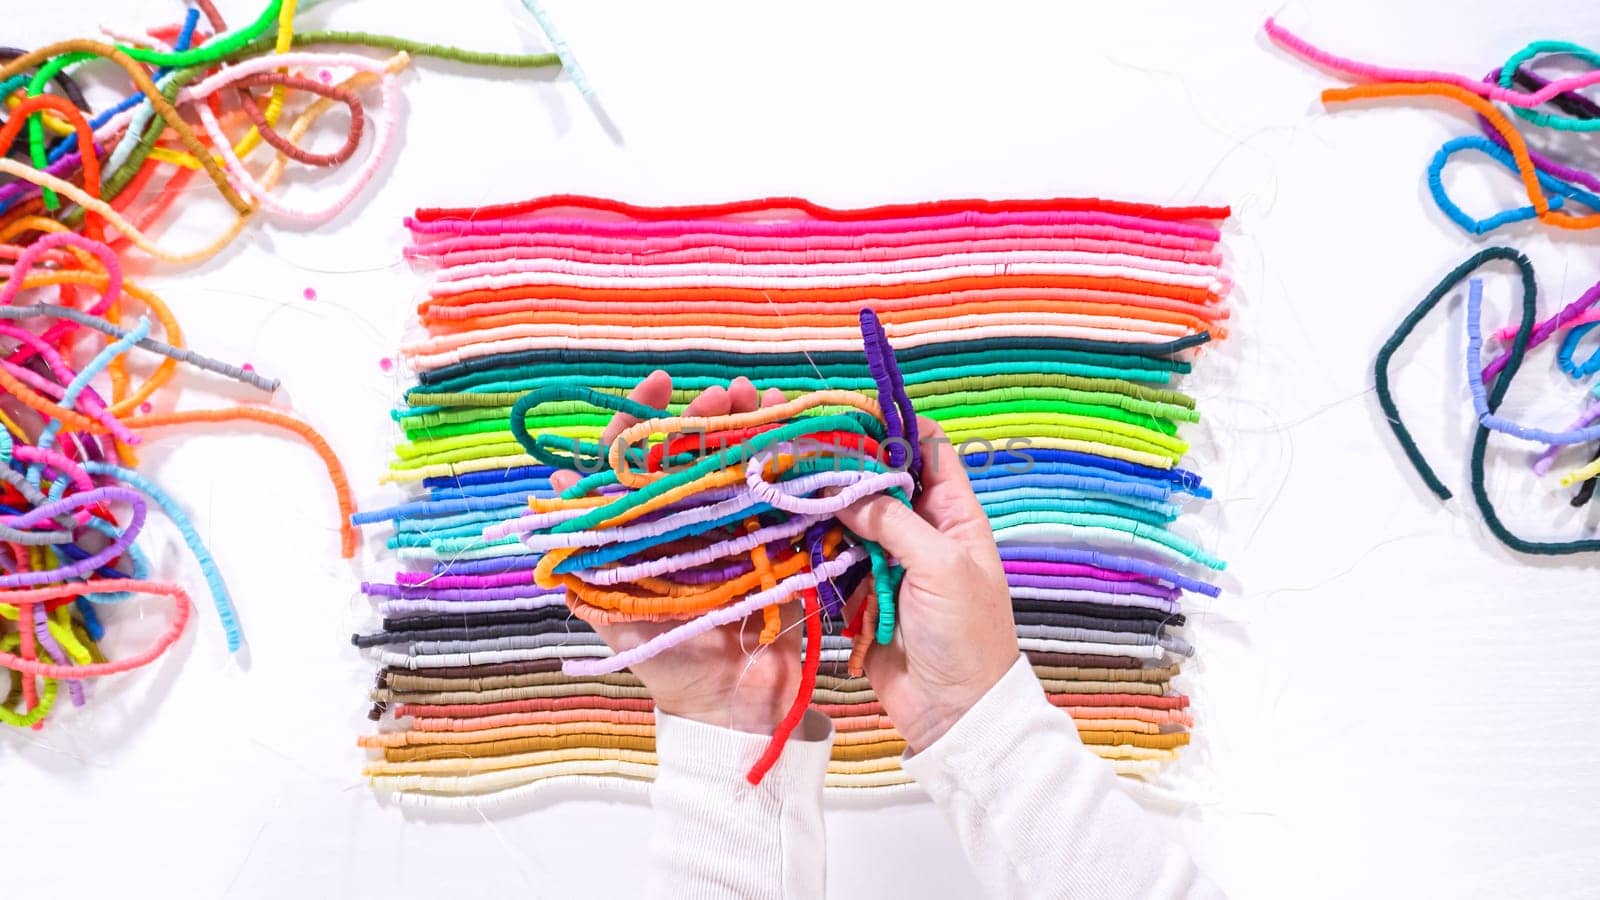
(1389,703)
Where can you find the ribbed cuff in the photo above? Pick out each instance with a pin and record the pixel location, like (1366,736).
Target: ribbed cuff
(718,758)
(718,836)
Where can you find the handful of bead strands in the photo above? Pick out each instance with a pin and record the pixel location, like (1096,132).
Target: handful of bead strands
(1045,336)
(729,517)
(1559,188)
(76,216)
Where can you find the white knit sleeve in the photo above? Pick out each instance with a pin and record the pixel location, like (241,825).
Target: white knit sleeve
(716,835)
(1037,813)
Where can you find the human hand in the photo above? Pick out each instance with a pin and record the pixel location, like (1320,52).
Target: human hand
(955,635)
(723,677)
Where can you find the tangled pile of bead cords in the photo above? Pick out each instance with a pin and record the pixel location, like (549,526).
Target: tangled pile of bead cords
(75,212)
(684,520)
(1057,323)
(1554,187)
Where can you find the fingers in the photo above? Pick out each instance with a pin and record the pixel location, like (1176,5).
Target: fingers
(947,501)
(742,396)
(907,536)
(655,391)
(773,397)
(713,401)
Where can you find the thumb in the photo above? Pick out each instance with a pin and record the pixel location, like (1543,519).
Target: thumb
(907,536)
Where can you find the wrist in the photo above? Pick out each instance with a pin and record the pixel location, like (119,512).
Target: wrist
(922,731)
(752,715)
(946,705)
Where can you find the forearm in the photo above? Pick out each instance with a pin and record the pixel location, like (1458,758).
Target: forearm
(716,835)
(1037,813)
